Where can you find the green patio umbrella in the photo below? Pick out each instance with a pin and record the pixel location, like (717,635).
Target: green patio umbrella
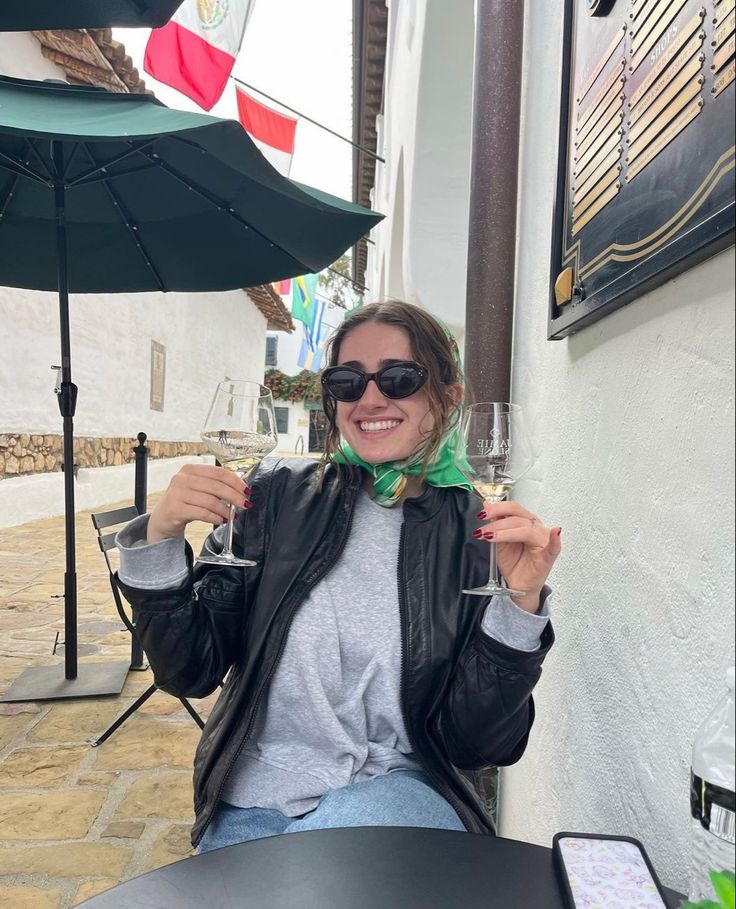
(113,193)
(26,15)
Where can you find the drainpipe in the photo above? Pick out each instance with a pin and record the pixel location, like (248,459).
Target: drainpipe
(489,311)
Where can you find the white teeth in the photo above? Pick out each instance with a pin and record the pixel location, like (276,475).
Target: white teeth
(378,426)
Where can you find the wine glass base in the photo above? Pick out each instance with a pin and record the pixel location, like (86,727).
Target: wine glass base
(220,560)
(495,590)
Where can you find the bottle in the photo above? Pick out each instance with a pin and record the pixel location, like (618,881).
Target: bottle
(712,798)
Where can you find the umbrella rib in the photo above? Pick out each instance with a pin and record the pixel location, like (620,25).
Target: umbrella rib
(132,230)
(39,159)
(21,169)
(118,173)
(221,206)
(8,196)
(83,178)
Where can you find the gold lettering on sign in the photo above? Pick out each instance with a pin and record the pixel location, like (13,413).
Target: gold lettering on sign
(721,57)
(676,127)
(605,151)
(613,129)
(723,10)
(640,21)
(659,11)
(653,99)
(610,177)
(615,107)
(724,79)
(607,104)
(724,31)
(600,65)
(648,128)
(595,176)
(661,38)
(666,97)
(597,208)
(638,9)
(601,96)
(672,51)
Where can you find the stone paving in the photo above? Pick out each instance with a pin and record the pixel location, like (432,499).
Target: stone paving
(76,820)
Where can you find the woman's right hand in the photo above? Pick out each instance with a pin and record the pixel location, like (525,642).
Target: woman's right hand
(196,493)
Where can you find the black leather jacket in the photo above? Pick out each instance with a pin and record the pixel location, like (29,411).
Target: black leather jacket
(466,698)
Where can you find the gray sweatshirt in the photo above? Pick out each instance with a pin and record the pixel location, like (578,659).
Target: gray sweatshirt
(333,712)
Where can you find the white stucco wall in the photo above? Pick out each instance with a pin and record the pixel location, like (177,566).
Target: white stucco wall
(421,250)
(207,337)
(633,426)
(21,58)
(632,421)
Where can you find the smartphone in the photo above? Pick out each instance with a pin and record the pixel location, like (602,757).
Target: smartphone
(610,872)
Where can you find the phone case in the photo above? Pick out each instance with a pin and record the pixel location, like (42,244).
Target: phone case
(620,879)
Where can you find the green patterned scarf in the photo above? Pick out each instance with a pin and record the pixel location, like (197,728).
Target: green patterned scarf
(449,466)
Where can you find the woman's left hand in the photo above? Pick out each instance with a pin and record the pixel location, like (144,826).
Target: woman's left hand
(526,550)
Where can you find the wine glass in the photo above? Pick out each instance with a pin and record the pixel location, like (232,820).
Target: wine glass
(240,430)
(499,454)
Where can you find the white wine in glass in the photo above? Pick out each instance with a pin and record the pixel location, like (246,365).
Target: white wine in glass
(497,449)
(240,430)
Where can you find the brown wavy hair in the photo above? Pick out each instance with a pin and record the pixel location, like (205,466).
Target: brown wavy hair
(431,345)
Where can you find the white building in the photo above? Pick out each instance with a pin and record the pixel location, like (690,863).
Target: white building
(143,362)
(633,420)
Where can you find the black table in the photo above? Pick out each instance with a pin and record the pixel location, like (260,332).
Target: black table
(352,868)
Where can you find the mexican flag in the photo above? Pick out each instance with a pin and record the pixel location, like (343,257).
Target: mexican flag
(195,51)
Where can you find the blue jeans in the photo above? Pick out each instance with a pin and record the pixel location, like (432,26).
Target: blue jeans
(403,798)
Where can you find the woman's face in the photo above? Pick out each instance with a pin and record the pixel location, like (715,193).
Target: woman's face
(377,428)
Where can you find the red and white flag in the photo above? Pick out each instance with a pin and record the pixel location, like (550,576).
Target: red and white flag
(195,51)
(273,133)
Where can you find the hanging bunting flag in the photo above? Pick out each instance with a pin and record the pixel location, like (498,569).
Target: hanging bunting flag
(196,49)
(273,133)
(312,349)
(304,299)
(282,287)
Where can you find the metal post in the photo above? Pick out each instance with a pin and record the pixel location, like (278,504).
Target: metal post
(493,193)
(137,657)
(141,473)
(67,405)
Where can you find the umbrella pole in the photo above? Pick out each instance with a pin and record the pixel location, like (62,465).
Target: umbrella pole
(67,406)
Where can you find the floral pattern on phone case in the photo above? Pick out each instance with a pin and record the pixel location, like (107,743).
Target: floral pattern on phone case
(608,874)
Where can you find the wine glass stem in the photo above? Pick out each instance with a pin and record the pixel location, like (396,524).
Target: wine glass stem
(227,552)
(493,580)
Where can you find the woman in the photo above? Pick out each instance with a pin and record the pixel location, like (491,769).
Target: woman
(362,685)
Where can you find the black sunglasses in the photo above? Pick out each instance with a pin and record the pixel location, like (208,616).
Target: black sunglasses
(397,380)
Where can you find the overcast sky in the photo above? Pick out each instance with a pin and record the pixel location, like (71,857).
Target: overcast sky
(301,53)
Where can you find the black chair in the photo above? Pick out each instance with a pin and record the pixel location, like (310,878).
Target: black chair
(102,521)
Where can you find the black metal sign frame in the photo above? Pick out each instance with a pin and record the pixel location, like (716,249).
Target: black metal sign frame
(647,156)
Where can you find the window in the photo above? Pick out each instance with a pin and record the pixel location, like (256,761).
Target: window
(282,419)
(272,351)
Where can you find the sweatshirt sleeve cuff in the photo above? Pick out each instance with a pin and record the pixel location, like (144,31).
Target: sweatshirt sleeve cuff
(150,566)
(506,623)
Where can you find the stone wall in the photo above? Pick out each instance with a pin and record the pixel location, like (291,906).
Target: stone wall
(22,454)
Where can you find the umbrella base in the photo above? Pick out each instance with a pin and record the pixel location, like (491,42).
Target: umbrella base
(47,683)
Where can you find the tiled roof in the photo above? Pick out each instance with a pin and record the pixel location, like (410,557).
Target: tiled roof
(272,307)
(93,57)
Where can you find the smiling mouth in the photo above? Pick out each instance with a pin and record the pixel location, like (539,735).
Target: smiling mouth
(378,425)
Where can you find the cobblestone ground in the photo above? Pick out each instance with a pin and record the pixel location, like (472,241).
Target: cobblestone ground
(76,820)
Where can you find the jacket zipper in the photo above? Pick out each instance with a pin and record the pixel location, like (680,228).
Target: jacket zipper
(440,784)
(310,583)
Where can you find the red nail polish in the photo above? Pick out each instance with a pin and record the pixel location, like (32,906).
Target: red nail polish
(477,534)
(481,514)
(558,531)
(489,536)
(247,503)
